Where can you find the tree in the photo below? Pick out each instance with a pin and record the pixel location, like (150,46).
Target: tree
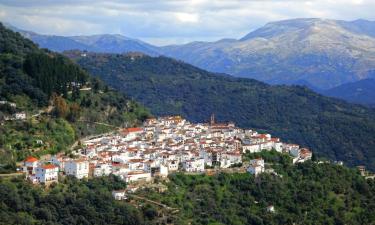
(96,84)
(61,107)
(75,93)
(74,112)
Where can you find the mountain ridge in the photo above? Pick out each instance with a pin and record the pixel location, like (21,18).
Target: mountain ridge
(115,43)
(325,53)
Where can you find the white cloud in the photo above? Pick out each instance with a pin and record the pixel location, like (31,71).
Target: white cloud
(174,21)
(187,17)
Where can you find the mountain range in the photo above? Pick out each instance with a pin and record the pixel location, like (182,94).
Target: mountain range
(319,52)
(332,128)
(323,53)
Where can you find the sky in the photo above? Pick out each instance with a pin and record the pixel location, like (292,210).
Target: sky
(163,22)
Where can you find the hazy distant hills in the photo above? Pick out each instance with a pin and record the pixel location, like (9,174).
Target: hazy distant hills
(108,43)
(323,53)
(362,92)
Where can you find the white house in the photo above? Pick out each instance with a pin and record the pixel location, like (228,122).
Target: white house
(119,194)
(206,154)
(135,176)
(136,164)
(20,116)
(193,165)
(47,173)
(29,165)
(163,171)
(288,147)
(103,169)
(172,165)
(277,144)
(303,156)
(132,132)
(295,152)
(256,166)
(77,168)
(233,157)
(252,148)
(59,161)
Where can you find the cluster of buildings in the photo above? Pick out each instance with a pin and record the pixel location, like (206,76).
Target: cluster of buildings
(14,116)
(39,172)
(164,145)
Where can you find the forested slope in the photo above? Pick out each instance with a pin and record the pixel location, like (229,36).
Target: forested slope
(308,193)
(62,102)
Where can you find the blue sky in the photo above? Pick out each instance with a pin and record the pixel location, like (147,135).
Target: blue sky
(164,22)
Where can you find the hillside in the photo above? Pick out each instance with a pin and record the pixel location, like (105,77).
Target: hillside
(47,102)
(330,127)
(362,92)
(324,53)
(308,193)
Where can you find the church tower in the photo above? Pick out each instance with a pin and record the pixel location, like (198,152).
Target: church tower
(212,121)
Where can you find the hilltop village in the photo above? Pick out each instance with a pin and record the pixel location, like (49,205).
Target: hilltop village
(161,146)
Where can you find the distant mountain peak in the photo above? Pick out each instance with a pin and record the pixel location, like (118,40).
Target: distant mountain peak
(273,29)
(323,52)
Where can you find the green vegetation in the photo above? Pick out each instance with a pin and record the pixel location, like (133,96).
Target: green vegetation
(67,203)
(24,137)
(269,156)
(330,127)
(308,193)
(62,102)
(54,74)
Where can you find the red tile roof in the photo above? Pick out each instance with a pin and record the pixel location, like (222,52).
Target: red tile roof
(31,159)
(262,136)
(49,166)
(136,160)
(133,129)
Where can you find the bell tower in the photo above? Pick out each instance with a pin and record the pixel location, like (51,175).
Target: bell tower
(212,121)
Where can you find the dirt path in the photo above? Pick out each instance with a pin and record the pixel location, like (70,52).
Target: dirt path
(153,202)
(11,174)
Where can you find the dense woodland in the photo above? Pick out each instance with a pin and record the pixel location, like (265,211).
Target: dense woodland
(330,127)
(70,202)
(62,102)
(308,194)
